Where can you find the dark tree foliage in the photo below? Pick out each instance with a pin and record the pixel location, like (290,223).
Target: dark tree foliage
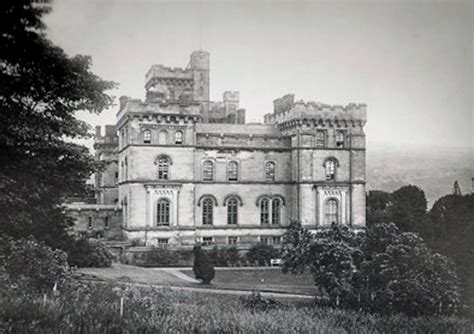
(203,266)
(452,234)
(378,203)
(381,270)
(408,209)
(261,254)
(296,244)
(41,89)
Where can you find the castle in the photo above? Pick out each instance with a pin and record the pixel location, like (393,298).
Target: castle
(182,169)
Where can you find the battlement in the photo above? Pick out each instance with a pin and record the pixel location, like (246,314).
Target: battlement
(164,72)
(110,136)
(287,110)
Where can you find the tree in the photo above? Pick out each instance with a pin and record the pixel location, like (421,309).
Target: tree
(41,89)
(408,209)
(203,266)
(296,244)
(378,203)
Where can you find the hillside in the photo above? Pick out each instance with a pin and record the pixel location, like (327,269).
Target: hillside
(432,169)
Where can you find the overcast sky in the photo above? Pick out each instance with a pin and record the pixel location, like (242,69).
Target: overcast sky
(411,62)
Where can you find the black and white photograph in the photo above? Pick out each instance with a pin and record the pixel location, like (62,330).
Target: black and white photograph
(236,166)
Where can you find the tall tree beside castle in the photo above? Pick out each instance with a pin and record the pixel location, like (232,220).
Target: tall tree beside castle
(41,88)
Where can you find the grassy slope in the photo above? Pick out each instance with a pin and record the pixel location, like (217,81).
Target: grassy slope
(95,309)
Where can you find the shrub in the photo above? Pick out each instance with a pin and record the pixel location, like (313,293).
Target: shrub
(162,257)
(256,303)
(223,257)
(89,253)
(34,267)
(203,267)
(262,254)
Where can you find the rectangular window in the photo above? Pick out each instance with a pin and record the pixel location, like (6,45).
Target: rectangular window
(265,240)
(233,171)
(232,240)
(208,171)
(162,242)
(116,177)
(276,240)
(89,224)
(106,222)
(207,241)
(321,138)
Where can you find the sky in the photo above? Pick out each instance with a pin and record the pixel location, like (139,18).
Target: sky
(411,62)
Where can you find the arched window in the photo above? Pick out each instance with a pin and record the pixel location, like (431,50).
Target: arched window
(163,212)
(265,211)
(163,168)
(208,171)
(233,171)
(147,137)
(232,211)
(276,209)
(321,138)
(207,211)
(163,137)
(339,139)
(331,210)
(330,166)
(270,171)
(178,137)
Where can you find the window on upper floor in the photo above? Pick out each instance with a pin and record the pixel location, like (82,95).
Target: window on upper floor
(163,168)
(270,171)
(106,222)
(232,211)
(265,211)
(163,212)
(178,137)
(331,167)
(125,172)
(208,171)
(147,137)
(89,223)
(207,211)
(331,211)
(201,91)
(339,139)
(320,138)
(233,171)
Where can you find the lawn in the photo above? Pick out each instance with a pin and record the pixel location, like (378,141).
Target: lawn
(96,308)
(267,279)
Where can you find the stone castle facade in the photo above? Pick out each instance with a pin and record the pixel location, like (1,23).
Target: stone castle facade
(182,169)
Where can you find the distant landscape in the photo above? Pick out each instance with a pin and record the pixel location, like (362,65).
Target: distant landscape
(432,169)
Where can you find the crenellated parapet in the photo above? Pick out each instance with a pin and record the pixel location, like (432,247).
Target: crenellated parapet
(317,114)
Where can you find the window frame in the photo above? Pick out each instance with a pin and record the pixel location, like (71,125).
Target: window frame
(232,172)
(207,175)
(208,242)
(207,211)
(330,169)
(270,174)
(147,137)
(180,140)
(328,216)
(163,164)
(340,144)
(321,142)
(265,211)
(234,242)
(276,213)
(232,211)
(163,218)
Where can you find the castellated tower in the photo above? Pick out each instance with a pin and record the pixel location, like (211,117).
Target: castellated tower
(328,159)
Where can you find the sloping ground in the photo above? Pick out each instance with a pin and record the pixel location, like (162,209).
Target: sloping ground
(125,273)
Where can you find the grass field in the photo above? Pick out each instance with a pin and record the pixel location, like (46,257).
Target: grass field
(268,279)
(95,308)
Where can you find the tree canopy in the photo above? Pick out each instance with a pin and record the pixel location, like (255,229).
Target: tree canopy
(41,89)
